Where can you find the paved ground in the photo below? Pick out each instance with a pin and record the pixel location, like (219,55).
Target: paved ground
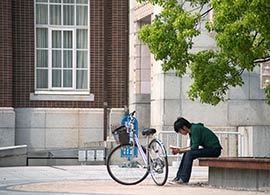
(94,180)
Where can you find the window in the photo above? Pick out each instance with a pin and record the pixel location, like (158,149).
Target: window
(265,75)
(62,45)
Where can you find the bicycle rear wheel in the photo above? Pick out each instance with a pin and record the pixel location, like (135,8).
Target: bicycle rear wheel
(126,166)
(158,162)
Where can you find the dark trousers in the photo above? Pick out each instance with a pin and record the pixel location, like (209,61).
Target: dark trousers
(185,167)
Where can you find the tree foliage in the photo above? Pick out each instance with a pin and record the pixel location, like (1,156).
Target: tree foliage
(242,34)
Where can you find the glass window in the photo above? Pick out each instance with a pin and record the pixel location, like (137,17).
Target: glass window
(82,59)
(56,39)
(42,38)
(42,78)
(82,39)
(68,1)
(55,1)
(67,57)
(62,45)
(41,14)
(81,15)
(67,39)
(56,58)
(82,79)
(68,16)
(42,58)
(56,78)
(67,78)
(55,14)
(41,1)
(82,1)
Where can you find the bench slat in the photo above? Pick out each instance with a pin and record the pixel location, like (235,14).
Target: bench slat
(236,163)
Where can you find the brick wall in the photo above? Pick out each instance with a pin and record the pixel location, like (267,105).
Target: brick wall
(115,54)
(5,54)
(119,53)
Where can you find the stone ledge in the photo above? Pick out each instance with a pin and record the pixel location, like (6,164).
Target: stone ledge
(13,155)
(13,150)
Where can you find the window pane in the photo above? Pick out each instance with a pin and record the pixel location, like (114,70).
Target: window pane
(82,39)
(55,14)
(82,1)
(42,78)
(68,1)
(41,14)
(82,59)
(42,58)
(55,1)
(56,39)
(42,1)
(81,81)
(67,59)
(42,38)
(67,80)
(82,15)
(56,58)
(67,39)
(56,78)
(68,14)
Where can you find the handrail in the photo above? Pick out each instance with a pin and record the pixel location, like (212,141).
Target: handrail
(220,134)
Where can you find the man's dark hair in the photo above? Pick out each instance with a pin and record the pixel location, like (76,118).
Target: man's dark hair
(180,123)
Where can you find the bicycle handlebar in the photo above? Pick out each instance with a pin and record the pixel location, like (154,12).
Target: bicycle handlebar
(132,114)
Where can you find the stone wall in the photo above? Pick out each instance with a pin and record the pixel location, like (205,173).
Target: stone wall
(47,129)
(7,127)
(244,106)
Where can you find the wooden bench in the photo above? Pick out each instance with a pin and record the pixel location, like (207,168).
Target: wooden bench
(241,173)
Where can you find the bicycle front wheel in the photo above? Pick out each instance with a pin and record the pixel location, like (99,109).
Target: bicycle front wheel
(158,162)
(126,166)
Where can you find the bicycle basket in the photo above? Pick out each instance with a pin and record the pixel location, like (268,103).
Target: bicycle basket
(121,135)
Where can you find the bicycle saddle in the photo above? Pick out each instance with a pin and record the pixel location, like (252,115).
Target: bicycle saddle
(149,131)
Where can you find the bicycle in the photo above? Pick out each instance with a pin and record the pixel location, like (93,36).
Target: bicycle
(129,163)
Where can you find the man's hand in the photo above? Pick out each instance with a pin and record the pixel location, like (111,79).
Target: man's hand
(176,151)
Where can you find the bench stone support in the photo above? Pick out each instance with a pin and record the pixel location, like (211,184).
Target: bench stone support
(238,173)
(239,178)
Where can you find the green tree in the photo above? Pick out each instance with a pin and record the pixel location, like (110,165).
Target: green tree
(242,33)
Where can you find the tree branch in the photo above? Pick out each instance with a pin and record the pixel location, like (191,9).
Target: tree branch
(266,59)
(254,37)
(206,12)
(260,43)
(241,71)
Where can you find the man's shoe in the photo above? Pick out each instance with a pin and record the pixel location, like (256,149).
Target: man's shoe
(177,181)
(180,181)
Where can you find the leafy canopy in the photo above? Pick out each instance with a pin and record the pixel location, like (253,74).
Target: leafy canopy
(242,34)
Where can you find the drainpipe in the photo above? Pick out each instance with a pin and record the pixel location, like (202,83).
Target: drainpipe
(107,6)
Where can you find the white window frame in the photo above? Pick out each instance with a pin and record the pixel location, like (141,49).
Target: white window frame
(63,90)
(50,68)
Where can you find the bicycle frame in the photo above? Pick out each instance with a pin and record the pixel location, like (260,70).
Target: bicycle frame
(144,155)
(130,126)
(129,122)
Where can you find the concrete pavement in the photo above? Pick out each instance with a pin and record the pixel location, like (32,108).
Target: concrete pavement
(94,180)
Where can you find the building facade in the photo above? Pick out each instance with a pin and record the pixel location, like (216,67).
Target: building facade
(63,71)
(245,109)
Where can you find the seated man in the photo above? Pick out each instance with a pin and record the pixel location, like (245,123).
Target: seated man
(199,136)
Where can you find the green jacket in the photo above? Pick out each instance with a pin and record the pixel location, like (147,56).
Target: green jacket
(202,136)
